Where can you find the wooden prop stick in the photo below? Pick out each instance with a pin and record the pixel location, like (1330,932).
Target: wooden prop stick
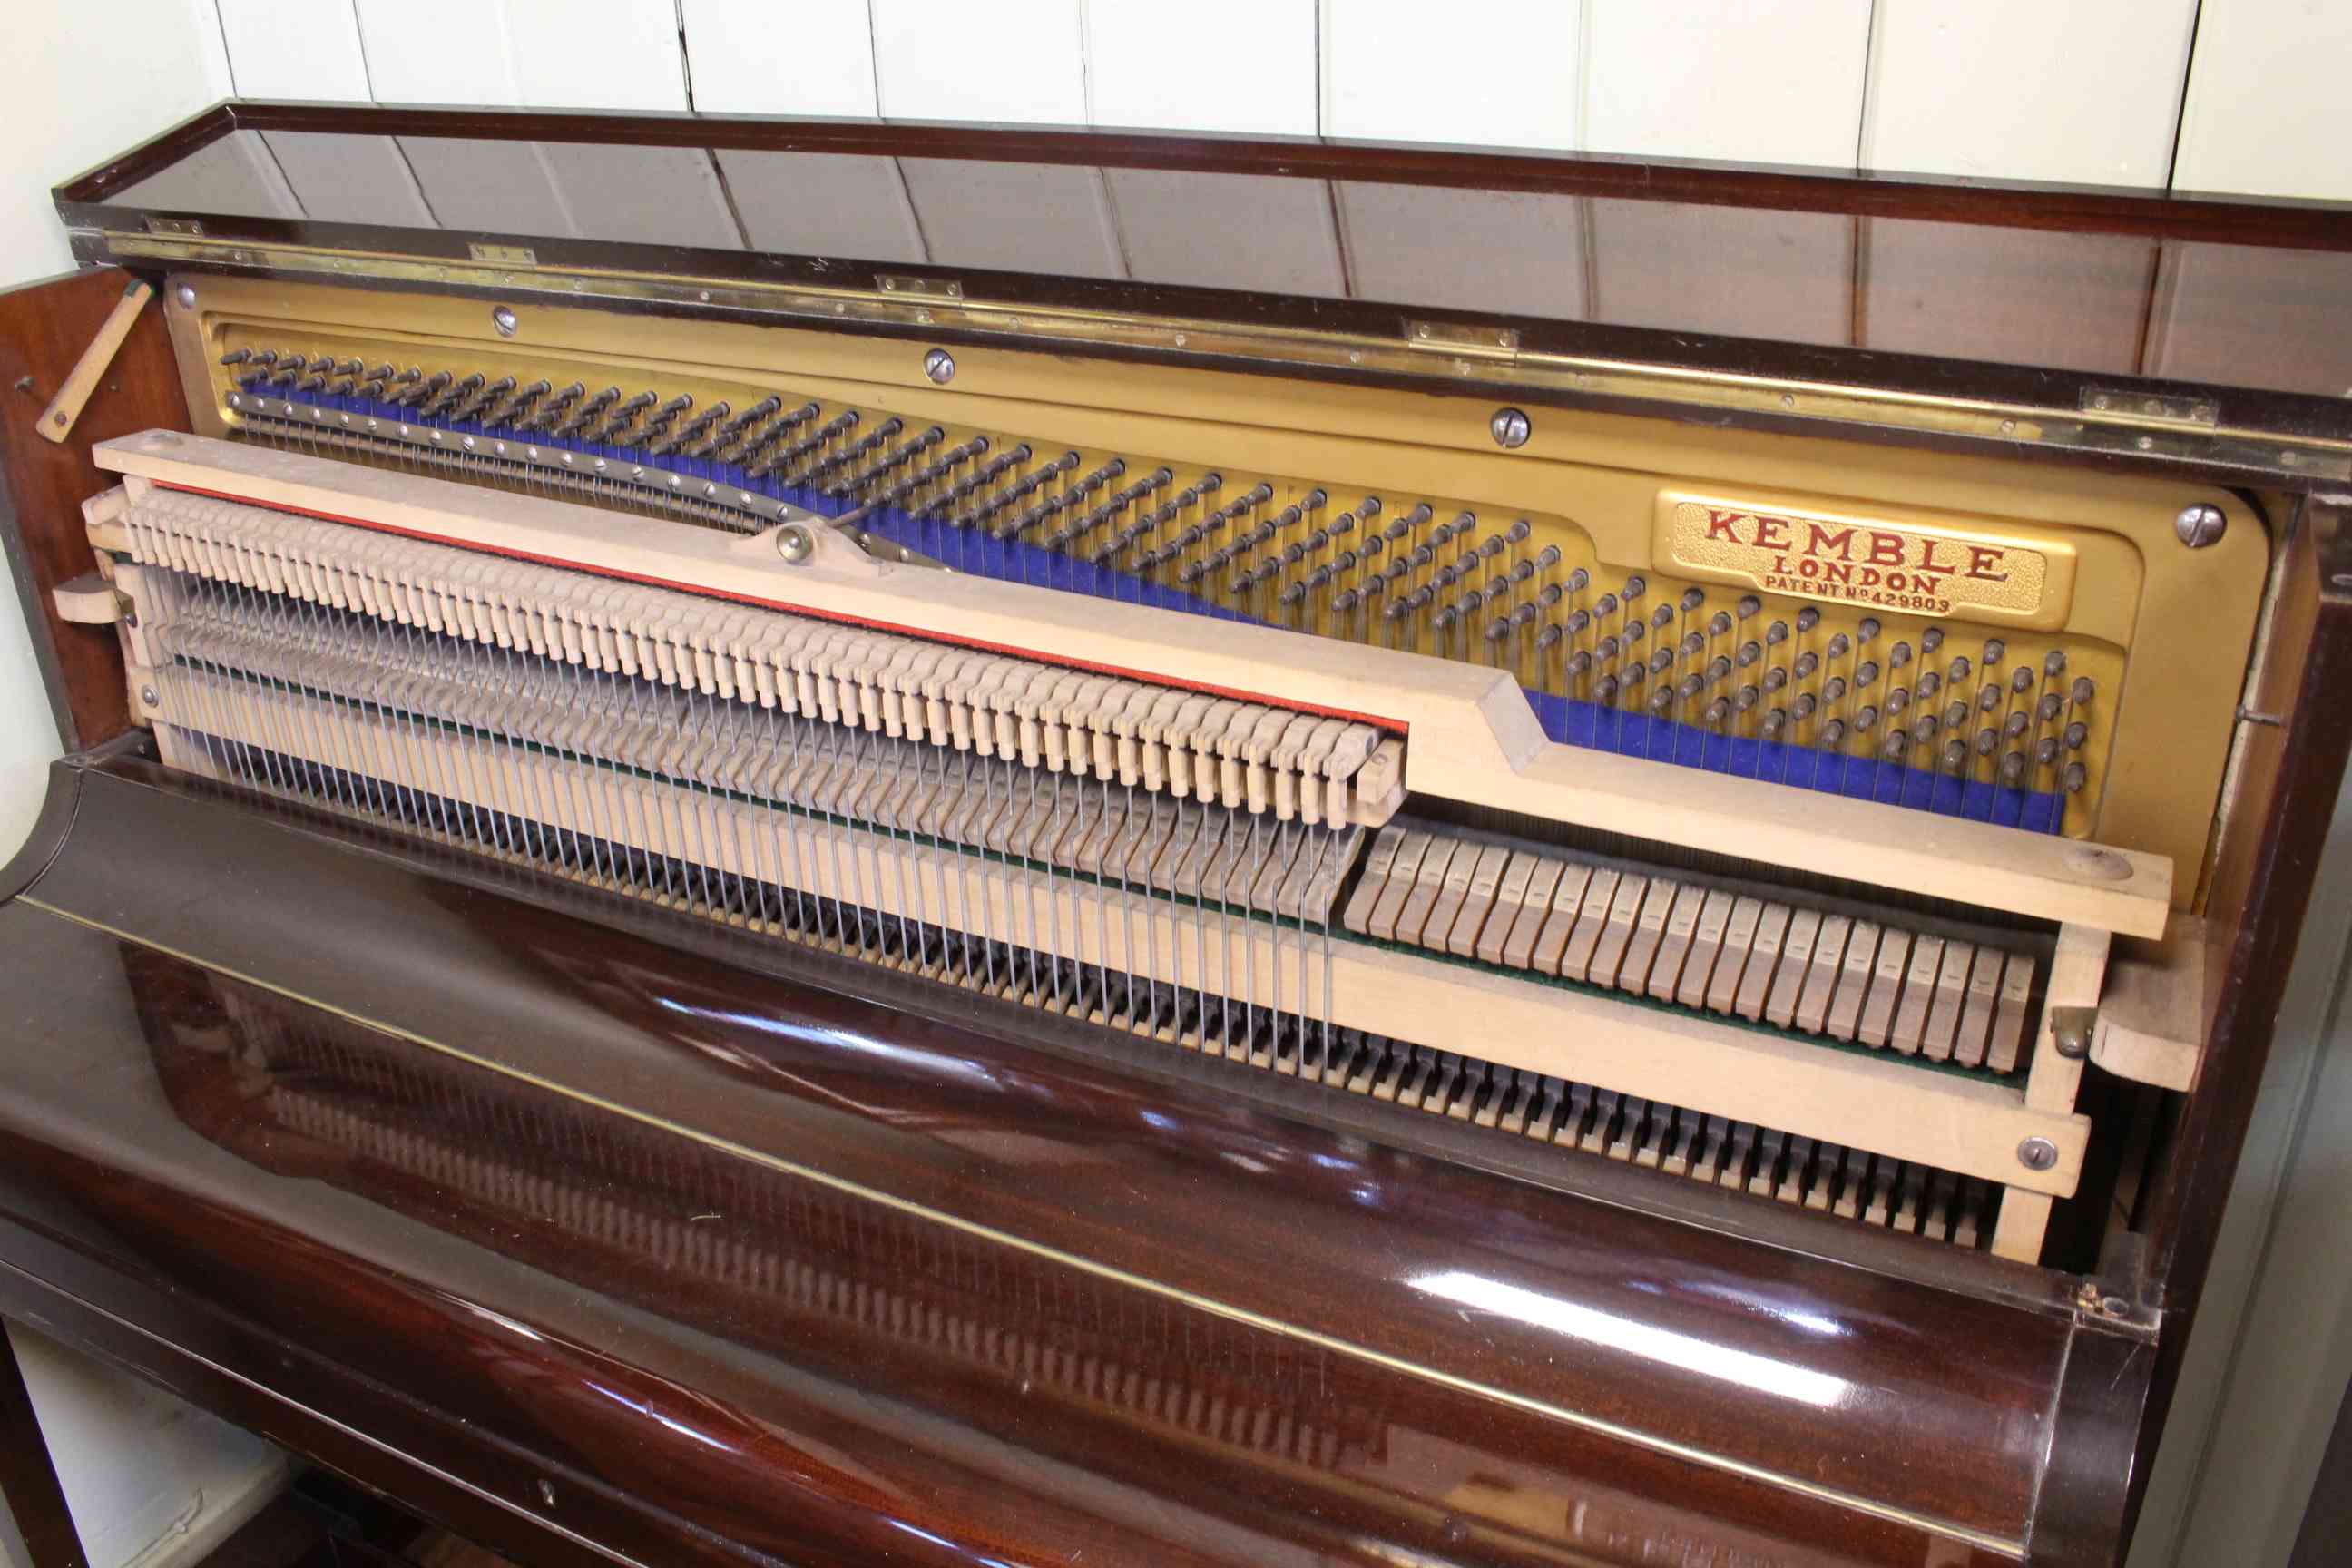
(57,419)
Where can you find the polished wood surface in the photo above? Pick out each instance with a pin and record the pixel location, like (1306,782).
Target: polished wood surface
(558,1179)
(2312,225)
(2043,297)
(43,327)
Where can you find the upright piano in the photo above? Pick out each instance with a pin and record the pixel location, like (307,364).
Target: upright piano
(794,841)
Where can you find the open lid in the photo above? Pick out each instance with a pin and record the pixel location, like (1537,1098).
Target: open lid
(2188,333)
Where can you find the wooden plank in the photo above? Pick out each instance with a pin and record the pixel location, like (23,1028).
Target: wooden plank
(750,57)
(1206,65)
(56,421)
(597,54)
(2157,1009)
(1725,79)
(308,52)
(1017,62)
(2025,1219)
(2263,113)
(2009,89)
(2078,970)
(1401,70)
(438,51)
(1471,736)
(1886,1106)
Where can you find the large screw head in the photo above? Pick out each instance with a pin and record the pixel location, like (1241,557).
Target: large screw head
(2200,526)
(794,543)
(186,295)
(940,365)
(2037,1153)
(503,319)
(1510,427)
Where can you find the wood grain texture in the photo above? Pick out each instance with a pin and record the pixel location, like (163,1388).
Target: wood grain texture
(56,421)
(1068,1206)
(43,327)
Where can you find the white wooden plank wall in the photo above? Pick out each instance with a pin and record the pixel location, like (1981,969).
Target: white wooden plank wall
(2094,90)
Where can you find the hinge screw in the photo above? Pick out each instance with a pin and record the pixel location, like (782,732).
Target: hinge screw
(1510,429)
(2037,1153)
(2200,526)
(940,365)
(794,543)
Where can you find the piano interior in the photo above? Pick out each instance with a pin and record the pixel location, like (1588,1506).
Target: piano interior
(1544,787)
(1840,797)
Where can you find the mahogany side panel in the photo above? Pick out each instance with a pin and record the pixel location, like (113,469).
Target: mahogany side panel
(44,327)
(2263,883)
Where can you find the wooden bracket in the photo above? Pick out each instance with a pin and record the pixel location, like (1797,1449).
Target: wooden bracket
(58,419)
(2151,1026)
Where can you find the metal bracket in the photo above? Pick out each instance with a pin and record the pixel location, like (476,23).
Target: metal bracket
(1455,338)
(2124,402)
(2071,1029)
(921,287)
(179,226)
(503,255)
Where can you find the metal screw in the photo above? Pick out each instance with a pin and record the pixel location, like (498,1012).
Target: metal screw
(795,542)
(546,1492)
(2200,526)
(186,295)
(940,365)
(503,319)
(2037,1153)
(147,694)
(1510,427)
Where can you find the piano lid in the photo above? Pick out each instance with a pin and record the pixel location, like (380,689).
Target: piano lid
(2148,329)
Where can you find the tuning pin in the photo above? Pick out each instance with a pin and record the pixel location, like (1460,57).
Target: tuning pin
(1807,619)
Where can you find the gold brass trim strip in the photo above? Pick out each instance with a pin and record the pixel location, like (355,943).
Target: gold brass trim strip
(1330,1343)
(2120,430)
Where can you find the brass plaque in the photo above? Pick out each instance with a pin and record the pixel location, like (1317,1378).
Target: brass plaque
(1909,565)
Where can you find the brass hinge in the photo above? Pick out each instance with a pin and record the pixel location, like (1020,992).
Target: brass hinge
(1455,338)
(921,287)
(2124,403)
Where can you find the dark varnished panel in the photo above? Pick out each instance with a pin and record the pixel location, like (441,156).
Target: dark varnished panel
(1613,259)
(1379,1258)
(932,1398)
(44,327)
(2263,883)
(2010,204)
